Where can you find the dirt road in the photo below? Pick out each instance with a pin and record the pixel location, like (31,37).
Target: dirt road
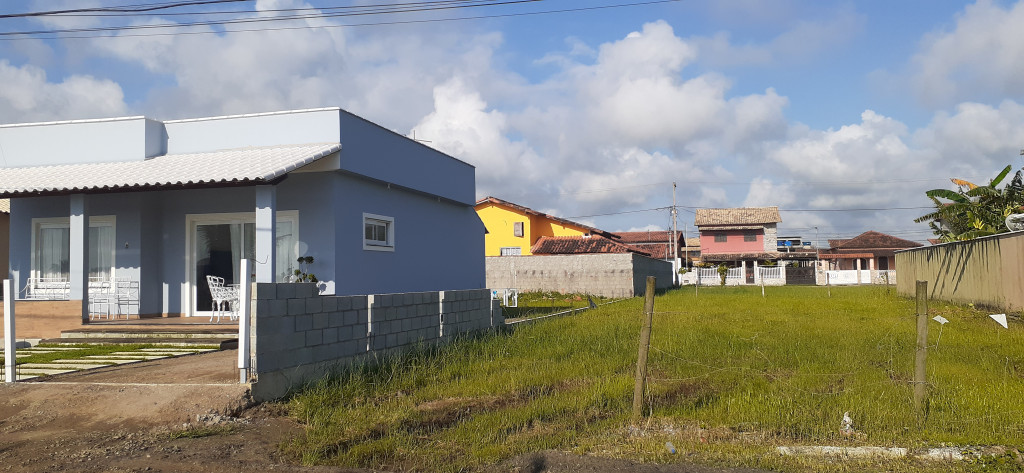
(125,419)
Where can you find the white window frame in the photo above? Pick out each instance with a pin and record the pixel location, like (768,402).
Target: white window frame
(193,220)
(65,222)
(373,245)
(518,251)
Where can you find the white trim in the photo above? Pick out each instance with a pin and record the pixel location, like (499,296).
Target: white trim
(191,220)
(65,222)
(390,221)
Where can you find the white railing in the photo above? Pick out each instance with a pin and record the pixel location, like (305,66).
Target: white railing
(770,272)
(108,297)
(710,276)
(885,277)
(47,289)
(848,276)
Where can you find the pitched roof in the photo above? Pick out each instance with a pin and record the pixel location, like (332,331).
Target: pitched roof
(737,216)
(693,242)
(875,240)
(575,245)
(529,211)
(251,165)
(649,236)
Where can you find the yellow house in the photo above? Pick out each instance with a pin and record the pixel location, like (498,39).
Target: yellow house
(513,229)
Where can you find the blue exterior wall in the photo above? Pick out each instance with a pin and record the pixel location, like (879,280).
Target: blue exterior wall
(376,152)
(439,245)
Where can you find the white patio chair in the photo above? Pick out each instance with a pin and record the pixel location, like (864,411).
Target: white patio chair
(127,294)
(101,296)
(221,295)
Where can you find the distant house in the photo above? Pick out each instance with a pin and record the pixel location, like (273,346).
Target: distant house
(585,244)
(513,229)
(870,250)
(739,237)
(656,242)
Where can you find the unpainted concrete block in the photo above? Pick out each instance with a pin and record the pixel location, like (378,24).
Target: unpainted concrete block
(296,306)
(314,337)
(285,291)
(314,305)
(330,335)
(303,323)
(319,320)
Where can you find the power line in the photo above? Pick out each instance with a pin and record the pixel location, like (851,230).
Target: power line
(379,10)
(107,14)
(59,34)
(137,8)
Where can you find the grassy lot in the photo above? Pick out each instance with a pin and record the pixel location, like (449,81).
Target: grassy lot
(537,304)
(732,376)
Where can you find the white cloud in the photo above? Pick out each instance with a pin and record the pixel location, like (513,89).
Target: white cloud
(27,95)
(979,59)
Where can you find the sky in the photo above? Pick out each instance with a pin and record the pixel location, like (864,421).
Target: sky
(842,114)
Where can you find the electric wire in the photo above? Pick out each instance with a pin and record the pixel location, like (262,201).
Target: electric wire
(108,32)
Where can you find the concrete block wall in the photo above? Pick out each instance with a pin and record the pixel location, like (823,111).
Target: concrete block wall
(607,275)
(298,336)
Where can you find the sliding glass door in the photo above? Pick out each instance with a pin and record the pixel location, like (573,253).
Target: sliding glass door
(219,242)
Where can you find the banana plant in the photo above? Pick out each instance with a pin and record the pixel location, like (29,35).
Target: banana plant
(973,210)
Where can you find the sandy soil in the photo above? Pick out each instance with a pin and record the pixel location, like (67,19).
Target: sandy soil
(124,419)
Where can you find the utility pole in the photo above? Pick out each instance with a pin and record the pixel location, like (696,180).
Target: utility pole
(675,239)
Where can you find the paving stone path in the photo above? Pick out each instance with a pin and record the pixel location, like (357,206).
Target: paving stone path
(34,370)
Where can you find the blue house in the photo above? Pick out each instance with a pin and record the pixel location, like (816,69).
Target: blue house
(167,203)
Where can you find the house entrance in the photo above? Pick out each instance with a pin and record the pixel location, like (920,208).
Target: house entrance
(217,242)
(218,249)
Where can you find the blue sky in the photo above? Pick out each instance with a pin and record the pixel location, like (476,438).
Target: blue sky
(818,107)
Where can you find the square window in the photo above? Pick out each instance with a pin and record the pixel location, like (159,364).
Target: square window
(749,237)
(511,251)
(378,232)
(720,238)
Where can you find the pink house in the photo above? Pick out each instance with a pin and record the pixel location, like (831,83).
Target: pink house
(739,237)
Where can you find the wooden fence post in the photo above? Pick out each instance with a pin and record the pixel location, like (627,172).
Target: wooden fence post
(645,344)
(921,354)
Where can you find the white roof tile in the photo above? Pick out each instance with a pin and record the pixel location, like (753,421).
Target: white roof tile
(252,164)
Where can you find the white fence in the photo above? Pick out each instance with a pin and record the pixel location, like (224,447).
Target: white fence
(848,276)
(770,272)
(710,277)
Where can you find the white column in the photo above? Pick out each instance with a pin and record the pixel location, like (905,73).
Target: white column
(857,266)
(266,232)
(79,264)
(10,337)
(245,301)
(757,274)
(743,271)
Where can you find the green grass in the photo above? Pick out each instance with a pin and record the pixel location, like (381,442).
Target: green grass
(82,351)
(537,304)
(732,376)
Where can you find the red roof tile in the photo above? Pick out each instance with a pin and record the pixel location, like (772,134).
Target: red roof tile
(575,245)
(874,240)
